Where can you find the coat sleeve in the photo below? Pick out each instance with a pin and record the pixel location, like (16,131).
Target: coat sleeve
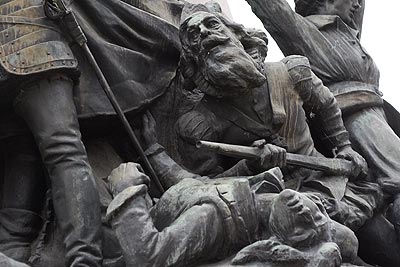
(293,33)
(318,100)
(194,126)
(197,234)
(168,171)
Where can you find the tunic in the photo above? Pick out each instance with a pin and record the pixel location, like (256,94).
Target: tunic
(282,104)
(339,60)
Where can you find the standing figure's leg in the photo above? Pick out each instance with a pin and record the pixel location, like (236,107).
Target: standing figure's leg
(47,107)
(373,138)
(22,197)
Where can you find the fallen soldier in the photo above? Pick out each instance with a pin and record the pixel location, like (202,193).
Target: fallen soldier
(204,220)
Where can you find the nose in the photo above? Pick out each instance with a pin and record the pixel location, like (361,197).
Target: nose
(204,31)
(356,4)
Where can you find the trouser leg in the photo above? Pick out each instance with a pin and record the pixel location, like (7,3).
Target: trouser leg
(18,228)
(48,109)
(373,138)
(378,242)
(22,197)
(24,183)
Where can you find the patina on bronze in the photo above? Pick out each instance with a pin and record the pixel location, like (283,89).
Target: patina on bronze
(57,10)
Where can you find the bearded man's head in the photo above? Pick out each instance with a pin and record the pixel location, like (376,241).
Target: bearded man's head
(221,58)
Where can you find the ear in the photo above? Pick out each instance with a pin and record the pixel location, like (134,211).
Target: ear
(188,69)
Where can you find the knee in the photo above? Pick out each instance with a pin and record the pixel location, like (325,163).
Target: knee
(61,144)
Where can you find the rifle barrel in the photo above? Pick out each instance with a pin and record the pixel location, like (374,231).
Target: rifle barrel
(334,166)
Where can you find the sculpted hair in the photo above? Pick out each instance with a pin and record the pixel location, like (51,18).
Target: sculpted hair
(308,7)
(251,39)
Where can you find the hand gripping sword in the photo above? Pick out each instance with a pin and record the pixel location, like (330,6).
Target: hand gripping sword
(57,10)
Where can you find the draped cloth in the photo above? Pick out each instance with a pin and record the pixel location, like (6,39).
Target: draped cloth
(137,47)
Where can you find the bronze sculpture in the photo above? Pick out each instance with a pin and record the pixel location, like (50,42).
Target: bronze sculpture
(240,207)
(328,33)
(256,110)
(204,221)
(39,70)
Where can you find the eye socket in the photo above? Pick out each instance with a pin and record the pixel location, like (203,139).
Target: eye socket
(213,24)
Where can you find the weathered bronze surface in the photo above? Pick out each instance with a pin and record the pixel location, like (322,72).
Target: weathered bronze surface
(276,164)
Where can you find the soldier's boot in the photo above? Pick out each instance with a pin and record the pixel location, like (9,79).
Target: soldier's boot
(48,108)
(18,228)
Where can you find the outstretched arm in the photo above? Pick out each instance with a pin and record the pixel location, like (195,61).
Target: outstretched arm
(293,33)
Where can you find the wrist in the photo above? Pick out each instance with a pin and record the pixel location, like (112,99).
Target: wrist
(344,147)
(154,149)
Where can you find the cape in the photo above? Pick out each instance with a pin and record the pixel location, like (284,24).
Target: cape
(137,47)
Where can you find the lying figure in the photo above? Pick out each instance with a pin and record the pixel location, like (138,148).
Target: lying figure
(200,220)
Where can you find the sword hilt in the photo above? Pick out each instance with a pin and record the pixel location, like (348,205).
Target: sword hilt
(57,10)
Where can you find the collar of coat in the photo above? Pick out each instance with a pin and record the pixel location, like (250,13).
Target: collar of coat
(322,21)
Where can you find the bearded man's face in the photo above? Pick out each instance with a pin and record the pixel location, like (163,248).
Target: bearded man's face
(221,58)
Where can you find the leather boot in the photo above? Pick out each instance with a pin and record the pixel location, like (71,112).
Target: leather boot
(18,228)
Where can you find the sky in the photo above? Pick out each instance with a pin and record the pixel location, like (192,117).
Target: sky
(380,37)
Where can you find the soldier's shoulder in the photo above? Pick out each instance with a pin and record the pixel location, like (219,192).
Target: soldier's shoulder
(298,67)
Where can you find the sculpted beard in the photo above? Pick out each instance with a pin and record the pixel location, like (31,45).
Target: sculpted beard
(227,66)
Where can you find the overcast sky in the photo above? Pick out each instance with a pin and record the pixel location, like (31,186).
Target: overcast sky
(380,38)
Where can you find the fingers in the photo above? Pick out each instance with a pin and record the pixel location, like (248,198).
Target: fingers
(275,155)
(265,158)
(259,143)
(272,156)
(363,167)
(142,179)
(344,156)
(148,121)
(282,158)
(278,156)
(145,127)
(140,167)
(151,119)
